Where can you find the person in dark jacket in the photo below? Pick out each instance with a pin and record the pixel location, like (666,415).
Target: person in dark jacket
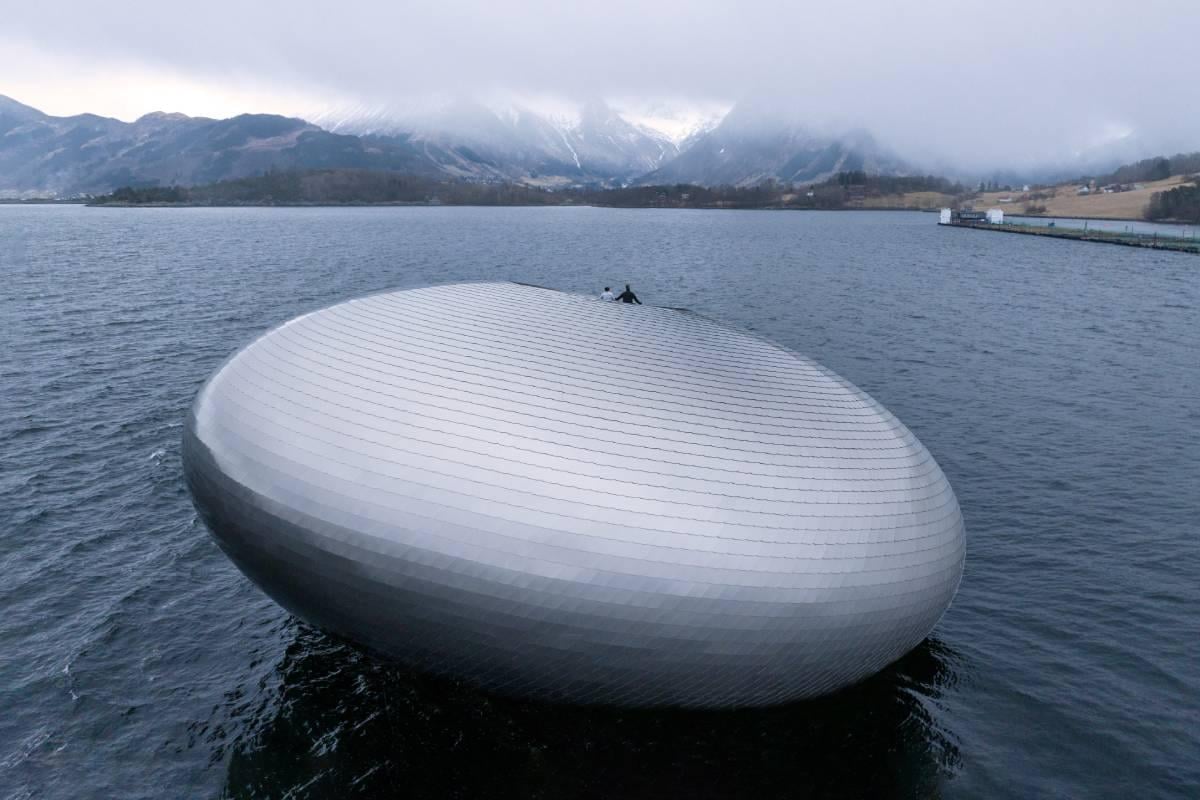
(628,296)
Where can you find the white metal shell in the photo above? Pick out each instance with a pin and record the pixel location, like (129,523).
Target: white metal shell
(555,496)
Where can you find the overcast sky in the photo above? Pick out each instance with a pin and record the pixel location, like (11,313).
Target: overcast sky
(983,80)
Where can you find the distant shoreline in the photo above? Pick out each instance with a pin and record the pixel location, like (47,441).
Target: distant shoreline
(1173,244)
(411,204)
(38,202)
(484,205)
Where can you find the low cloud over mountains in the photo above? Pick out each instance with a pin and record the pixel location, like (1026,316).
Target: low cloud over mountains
(62,156)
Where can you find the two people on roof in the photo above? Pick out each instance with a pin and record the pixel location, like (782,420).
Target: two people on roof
(626,296)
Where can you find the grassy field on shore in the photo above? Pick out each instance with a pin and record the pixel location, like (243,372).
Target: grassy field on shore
(915,200)
(1066,202)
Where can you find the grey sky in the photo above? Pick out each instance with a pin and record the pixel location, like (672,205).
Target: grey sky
(964,82)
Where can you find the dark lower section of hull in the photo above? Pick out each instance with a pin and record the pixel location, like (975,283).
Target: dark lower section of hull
(422,626)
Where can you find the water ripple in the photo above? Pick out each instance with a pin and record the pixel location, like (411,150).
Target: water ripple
(1056,386)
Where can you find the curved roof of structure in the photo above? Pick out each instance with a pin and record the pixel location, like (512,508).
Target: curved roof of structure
(630,476)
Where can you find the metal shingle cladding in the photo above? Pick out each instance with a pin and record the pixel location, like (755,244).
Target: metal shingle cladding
(554,496)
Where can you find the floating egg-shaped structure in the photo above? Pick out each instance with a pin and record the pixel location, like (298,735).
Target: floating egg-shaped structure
(553,496)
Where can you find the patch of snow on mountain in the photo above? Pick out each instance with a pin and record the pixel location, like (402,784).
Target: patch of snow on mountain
(676,119)
(559,111)
(567,142)
(362,118)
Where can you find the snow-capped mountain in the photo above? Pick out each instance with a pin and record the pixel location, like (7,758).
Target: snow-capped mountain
(588,144)
(528,140)
(755,143)
(591,144)
(681,121)
(46,155)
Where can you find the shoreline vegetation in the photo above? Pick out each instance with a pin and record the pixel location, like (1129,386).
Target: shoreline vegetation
(1160,190)
(852,190)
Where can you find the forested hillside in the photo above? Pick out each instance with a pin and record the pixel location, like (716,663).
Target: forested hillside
(367,187)
(1181,203)
(336,187)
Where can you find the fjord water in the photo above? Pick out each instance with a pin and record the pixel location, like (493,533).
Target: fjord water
(1056,383)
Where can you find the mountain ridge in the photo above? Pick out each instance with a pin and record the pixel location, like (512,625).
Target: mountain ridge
(590,145)
(86,153)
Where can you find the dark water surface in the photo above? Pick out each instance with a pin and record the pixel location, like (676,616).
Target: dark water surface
(1056,382)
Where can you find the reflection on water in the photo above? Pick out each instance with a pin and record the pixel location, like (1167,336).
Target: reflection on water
(343,723)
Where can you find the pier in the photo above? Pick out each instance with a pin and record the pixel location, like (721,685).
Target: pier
(1129,239)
